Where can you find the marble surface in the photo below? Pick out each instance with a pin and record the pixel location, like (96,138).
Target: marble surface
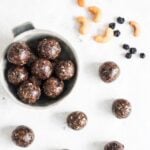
(90,94)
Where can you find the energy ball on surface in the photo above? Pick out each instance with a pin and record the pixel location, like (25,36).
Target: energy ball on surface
(114,145)
(53,87)
(35,80)
(121,108)
(23,136)
(49,49)
(109,71)
(42,69)
(65,70)
(77,120)
(29,93)
(16,75)
(18,53)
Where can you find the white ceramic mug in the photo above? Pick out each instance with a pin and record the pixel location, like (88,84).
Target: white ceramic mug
(26,32)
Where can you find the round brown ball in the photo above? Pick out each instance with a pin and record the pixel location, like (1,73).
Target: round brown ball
(53,87)
(17,75)
(114,145)
(65,70)
(35,80)
(33,58)
(109,71)
(121,108)
(49,49)
(29,93)
(77,120)
(18,53)
(42,69)
(23,136)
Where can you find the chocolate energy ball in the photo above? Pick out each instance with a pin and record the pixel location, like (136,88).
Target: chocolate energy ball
(65,70)
(77,120)
(42,69)
(33,58)
(35,80)
(109,71)
(23,136)
(16,75)
(29,93)
(18,53)
(114,145)
(49,49)
(121,108)
(53,87)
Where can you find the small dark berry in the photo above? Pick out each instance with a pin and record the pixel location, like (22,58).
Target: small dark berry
(133,50)
(120,20)
(117,33)
(112,25)
(126,46)
(128,55)
(142,55)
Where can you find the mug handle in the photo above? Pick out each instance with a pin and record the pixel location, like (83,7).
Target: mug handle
(23,28)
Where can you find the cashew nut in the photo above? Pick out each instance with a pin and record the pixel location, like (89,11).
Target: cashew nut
(107,36)
(96,12)
(136,28)
(81,3)
(83,24)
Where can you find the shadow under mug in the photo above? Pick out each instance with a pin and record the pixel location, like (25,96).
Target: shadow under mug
(26,32)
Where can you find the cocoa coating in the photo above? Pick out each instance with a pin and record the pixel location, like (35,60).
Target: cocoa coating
(29,93)
(121,108)
(65,70)
(53,87)
(114,145)
(23,136)
(77,120)
(42,69)
(35,80)
(16,75)
(109,71)
(49,49)
(18,53)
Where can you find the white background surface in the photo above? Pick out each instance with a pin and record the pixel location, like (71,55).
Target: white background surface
(90,95)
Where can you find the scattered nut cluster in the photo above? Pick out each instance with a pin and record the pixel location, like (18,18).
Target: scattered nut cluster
(110,30)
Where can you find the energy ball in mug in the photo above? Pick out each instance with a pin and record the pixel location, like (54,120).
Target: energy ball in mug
(19,53)
(23,136)
(77,120)
(49,49)
(65,70)
(29,93)
(35,80)
(109,72)
(53,87)
(33,58)
(16,75)
(121,108)
(114,145)
(42,69)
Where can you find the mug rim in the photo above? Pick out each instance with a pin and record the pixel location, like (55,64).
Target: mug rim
(51,33)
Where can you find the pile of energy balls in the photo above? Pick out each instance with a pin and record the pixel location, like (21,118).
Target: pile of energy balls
(30,72)
(38,72)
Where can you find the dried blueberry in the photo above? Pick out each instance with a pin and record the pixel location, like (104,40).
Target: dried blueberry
(112,25)
(133,50)
(117,33)
(128,55)
(126,46)
(120,20)
(142,55)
